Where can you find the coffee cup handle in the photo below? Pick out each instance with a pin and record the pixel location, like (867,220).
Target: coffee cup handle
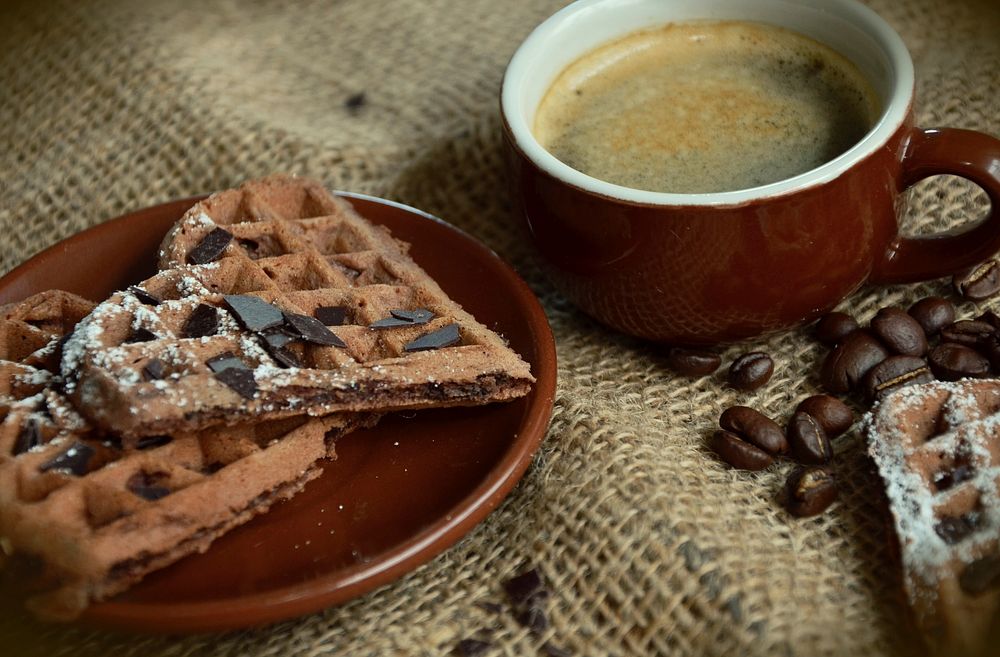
(965,153)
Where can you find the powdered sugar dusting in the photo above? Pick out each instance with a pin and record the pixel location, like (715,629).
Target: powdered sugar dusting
(895,429)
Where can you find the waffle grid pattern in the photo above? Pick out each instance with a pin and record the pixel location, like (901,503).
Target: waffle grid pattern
(937,447)
(299,263)
(100,516)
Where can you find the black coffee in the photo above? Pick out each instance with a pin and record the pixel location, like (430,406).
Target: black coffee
(705,107)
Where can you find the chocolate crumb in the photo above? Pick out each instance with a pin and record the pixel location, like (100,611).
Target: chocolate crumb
(153,370)
(331,315)
(253,313)
(202,322)
(239,380)
(472,648)
(28,438)
(355,102)
(442,337)
(313,330)
(211,247)
(74,460)
(144,296)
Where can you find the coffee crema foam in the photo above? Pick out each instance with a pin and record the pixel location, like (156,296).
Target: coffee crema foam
(705,106)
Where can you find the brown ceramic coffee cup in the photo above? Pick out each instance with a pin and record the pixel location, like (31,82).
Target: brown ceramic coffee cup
(718,267)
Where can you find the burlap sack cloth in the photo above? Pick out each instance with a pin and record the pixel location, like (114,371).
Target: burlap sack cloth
(648,543)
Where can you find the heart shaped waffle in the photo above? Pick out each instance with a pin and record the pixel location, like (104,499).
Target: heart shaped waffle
(937,447)
(278,299)
(98,516)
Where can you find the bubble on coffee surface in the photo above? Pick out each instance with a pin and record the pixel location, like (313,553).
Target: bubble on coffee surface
(705,106)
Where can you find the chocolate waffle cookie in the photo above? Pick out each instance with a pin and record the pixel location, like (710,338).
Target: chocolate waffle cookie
(278,300)
(937,447)
(93,517)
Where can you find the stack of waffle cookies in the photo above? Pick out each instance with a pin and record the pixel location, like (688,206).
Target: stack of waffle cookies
(937,447)
(136,431)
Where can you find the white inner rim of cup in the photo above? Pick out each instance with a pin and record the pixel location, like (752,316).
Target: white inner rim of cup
(847,26)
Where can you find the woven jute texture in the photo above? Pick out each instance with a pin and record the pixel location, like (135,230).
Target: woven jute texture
(648,543)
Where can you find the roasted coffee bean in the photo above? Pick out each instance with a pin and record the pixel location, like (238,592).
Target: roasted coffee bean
(933,314)
(810,444)
(848,363)
(899,332)
(981,575)
(893,373)
(990,318)
(810,491)
(692,362)
(751,371)
(755,428)
(832,414)
(979,282)
(992,352)
(970,332)
(739,453)
(834,327)
(951,362)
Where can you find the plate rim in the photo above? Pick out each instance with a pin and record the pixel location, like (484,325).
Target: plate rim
(262,608)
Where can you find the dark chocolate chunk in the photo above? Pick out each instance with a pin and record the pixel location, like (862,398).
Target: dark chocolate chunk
(981,575)
(401,317)
(953,529)
(153,370)
(147,486)
(472,648)
(211,247)
(254,313)
(29,437)
(442,337)
(415,316)
(149,442)
(225,361)
(285,357)
(202,322)
(74,460)
(274,343)
(240,380)
(390,322)
(521,588)
(277,339)
(313,330)
(144,296)
(331,315)
(141,335)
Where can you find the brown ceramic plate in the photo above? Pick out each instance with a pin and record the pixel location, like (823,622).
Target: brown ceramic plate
(397,495)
